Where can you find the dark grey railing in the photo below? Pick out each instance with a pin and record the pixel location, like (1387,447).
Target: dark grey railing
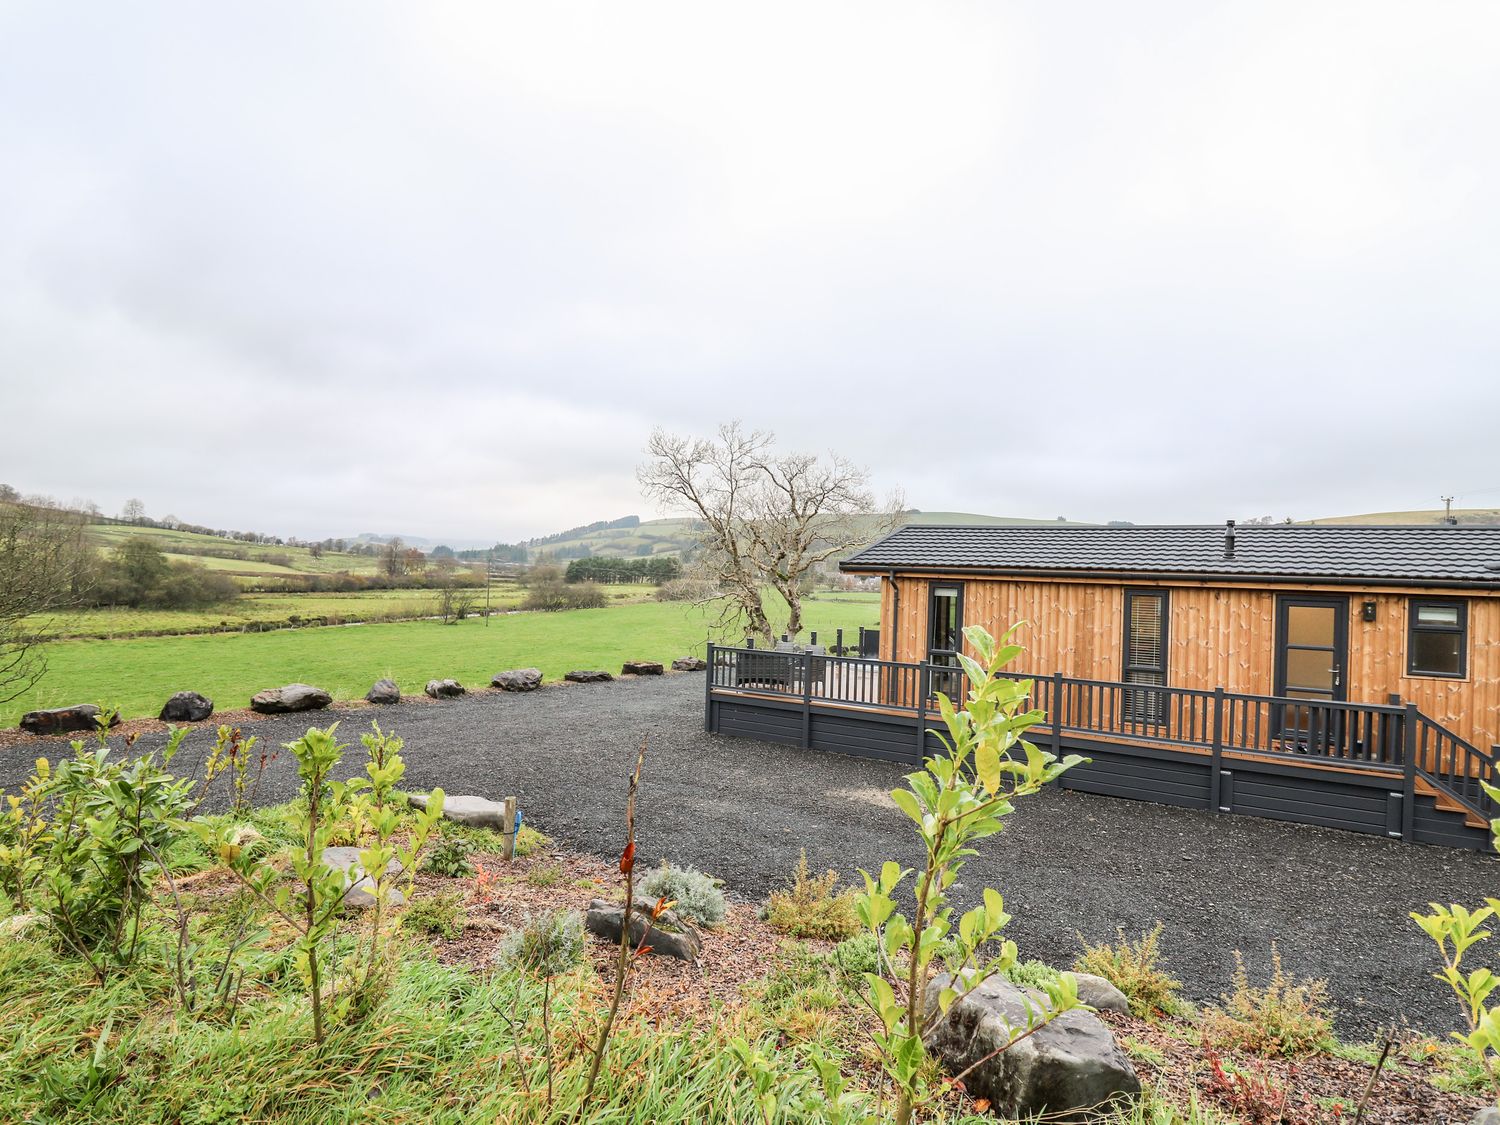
(1387,738)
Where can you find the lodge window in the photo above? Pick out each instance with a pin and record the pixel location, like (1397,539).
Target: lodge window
(945,618)
(1146,654)
(1437,641)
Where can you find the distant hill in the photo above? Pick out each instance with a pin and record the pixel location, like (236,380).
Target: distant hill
(631,538)
(1482,516)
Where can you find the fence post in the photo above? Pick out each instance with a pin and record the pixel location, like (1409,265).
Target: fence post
(508,833)
(924,689)
(1408,770)
(807,670)
(1216,758)
(708,690)
(1057,706)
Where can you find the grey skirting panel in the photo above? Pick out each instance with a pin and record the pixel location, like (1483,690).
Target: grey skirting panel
(1302,794)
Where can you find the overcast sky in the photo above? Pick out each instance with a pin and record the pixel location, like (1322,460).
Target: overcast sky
(319,269)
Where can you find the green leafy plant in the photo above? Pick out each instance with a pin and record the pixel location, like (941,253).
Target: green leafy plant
(693,894)
(813,906)
(86,840)
(312,911)
(448,856)
(1134,968)
(1455,930)
(547,944)
(546,875)
(1286,1017)
(961,797)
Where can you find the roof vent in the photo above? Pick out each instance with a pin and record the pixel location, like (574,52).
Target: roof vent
(1228,540)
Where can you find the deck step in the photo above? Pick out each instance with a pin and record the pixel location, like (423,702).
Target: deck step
(1448,803)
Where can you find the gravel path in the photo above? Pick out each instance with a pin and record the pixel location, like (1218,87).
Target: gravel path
(1336,903)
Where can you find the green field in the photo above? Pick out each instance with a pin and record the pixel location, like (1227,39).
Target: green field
(137,675)
(183,546)
(1431,516)
(364,605)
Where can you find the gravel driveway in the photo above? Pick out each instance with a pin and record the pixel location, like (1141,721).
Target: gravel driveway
(1335,903)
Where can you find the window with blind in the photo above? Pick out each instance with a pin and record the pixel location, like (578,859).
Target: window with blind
(1146,654)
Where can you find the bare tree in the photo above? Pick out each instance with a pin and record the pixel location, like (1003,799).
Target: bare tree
(768,519)
(45,566)
(133,512)
(393,558)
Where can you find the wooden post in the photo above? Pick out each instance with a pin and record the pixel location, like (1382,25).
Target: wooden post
(1216,759)
(1408,771)
(708,690)
(807,692)
(924,688)
(1056,703)
(508,833)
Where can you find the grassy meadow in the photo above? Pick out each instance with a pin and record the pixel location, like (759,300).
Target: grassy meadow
(137,674)
(281,608)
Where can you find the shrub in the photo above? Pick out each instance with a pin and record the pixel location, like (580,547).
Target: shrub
(547,944)
(853,957)
(696,896)
(686,590)
(1032,974)
(547,875)
(1286,1017)
(450,857)
(812,907)
(443,916)
(1131,966)
(551,596)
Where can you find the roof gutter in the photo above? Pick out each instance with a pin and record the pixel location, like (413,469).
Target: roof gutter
(1186,576)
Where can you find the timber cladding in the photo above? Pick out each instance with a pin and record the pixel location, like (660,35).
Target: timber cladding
(1219,635)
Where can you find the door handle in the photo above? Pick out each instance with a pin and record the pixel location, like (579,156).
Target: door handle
(1335,673)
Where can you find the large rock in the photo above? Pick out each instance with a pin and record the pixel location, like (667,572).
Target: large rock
(689,664)
(476,812)
(1097,992)
(360,888)
(1065,1070)
(292,697)
(383,691)
(585,676)
(80,716)
(187,707)
(670,936)
(641,668)
(444,689)
(518,679)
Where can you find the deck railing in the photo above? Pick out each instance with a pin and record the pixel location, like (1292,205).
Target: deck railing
(1382,737)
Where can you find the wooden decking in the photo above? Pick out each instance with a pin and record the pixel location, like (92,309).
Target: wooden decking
(1390,761)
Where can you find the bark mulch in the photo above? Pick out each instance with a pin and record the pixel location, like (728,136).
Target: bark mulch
(1307,1091)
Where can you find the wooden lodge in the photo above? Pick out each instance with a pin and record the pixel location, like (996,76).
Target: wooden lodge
(1337,675)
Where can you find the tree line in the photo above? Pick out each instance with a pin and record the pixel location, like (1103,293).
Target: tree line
(610,571)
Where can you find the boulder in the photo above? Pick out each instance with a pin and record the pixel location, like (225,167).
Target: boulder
(292,697)
(1097,992)
(1489,1115)
(669,936)
(383,691)
(80,716)
(476,812)
(641,668)
(1065,1070)
(360,892)
(187,707)
(444,689)
(689,664)
(584,676)
(518,679)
